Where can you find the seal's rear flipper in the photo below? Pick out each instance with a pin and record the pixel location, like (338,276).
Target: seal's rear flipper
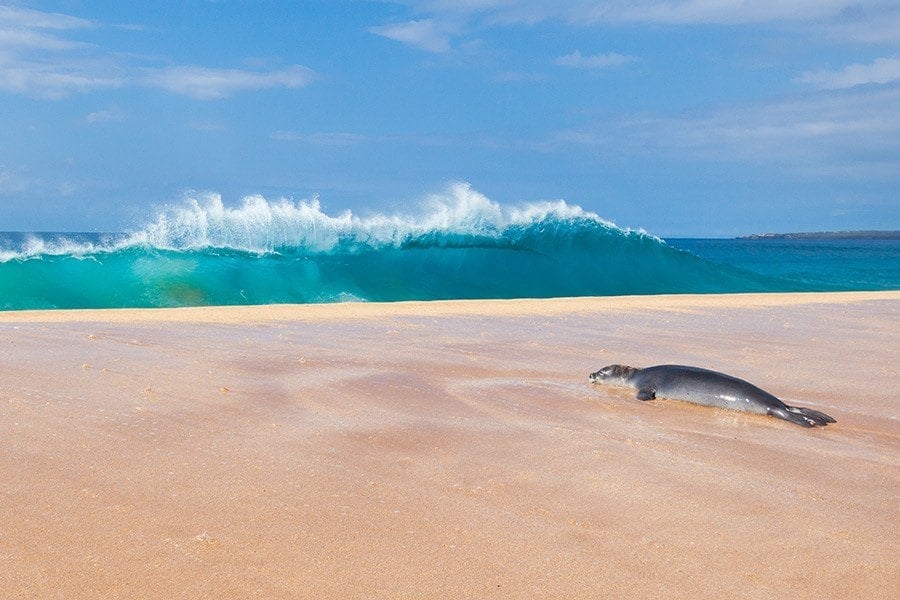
(820,418)
(806,417)
(781,413)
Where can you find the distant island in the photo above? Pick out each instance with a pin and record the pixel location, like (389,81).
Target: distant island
(826,235)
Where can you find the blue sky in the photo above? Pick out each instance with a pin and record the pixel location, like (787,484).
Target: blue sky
(686,118)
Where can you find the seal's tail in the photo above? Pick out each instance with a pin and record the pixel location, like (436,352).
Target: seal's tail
(806,417)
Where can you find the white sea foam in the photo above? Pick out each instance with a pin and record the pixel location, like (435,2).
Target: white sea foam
(257,224)
(261,225)
(35,246)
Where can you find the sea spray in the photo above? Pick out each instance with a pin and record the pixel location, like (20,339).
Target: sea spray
(262,226)
(458,244)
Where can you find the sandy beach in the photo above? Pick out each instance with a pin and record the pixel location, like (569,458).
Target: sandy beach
(448,450)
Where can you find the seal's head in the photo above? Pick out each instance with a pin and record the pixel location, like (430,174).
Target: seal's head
(613,374)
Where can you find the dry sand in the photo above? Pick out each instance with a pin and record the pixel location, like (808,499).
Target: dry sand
(447,450)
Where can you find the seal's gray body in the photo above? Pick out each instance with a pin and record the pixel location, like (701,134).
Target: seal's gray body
(710,388)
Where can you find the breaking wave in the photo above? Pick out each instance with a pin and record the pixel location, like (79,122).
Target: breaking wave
(456,245)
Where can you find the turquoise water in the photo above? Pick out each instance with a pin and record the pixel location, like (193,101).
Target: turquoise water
(820,264)
(461,246)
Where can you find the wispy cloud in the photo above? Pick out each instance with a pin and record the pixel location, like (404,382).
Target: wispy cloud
(39,58)
(838,133)
(597,61)
(19,39)
(55,79)
(519,77)
(880,25)
(207,125)
(722,11)
(11,16)
(11,182)
(441,26)
(322,138)
(36,60)
(812,129)
(880,71)
(212,84)
(424,34)
(651,11)
(109,115)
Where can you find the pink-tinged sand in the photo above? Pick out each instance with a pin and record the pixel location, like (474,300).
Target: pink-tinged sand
(448,450)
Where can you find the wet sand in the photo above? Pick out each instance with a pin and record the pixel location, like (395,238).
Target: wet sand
(448,450)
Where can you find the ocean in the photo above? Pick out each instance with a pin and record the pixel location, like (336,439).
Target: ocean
(459,246)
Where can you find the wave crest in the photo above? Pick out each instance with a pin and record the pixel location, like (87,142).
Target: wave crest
(457,244)
(34,245)
(263,226)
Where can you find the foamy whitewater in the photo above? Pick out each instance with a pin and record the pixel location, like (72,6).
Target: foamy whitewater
(457,245)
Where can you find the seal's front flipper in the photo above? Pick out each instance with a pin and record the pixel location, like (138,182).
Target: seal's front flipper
(646,394)
(819,418)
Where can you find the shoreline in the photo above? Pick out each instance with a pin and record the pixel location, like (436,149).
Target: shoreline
(448,449)
(521,306)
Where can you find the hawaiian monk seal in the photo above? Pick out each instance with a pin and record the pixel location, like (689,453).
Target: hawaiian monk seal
(710,388)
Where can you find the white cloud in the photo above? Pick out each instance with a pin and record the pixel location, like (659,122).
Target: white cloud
(424,35)
(876,27)
(18,39)
(880,71)
(519,77)
(654,11)
(207,125)
(597,61)
(11,182)
(837,133)
(37,60)
(211,84)
(722,11)
(321,139)
(438,24)
(54,79)
(109,115)
(11,16)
